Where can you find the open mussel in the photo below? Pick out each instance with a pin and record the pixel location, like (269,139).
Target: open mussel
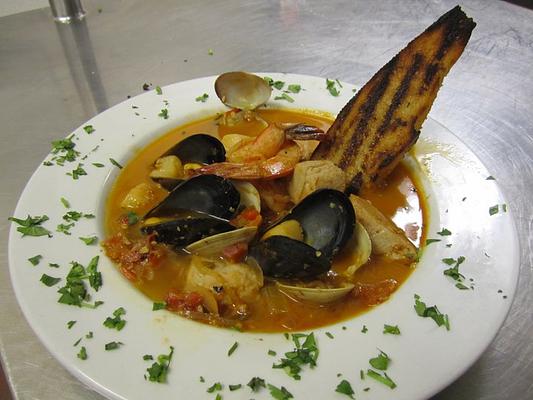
(196,150)
(302,244)
(208,194)
(197,208)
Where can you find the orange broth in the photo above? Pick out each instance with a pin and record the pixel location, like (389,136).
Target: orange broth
(397,199)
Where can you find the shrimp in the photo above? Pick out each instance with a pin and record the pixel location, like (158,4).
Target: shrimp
(269,142)
(272,154)
(280,165)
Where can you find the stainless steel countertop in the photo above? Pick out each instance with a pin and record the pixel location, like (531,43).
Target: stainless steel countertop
(54,77)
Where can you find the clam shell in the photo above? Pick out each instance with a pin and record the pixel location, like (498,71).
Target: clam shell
(242,90)
(360,247)
(249,194)
(212,246)
(315,295)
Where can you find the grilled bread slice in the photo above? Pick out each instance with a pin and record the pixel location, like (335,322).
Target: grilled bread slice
(382,121)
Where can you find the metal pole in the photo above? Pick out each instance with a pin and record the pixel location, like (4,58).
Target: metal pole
(66,11)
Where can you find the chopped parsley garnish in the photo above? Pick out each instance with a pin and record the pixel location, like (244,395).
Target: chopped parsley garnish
(210,52)
(63,151)
(53,265)
(256,383)
(89,335)
(89,240)
(461,286)
(64,228)
(82,355)
(329,335)
(429,241)
(364,330)
(278,84)
(159,370)
(218,396)
(159,306)
(449,261)
(362,375)
(495,209)
(98,165)
(305,353)
(148,357)
(234,387)
(146,86)
(113,345)
(158,90)
(132,217)
(116,322)
(268,80)
(294,88)
(380,362)
(164,113)
(271,353)
(392,330)
(431,312)
(76,173)
(233,348)
(35,260)
(49,280)
(330,86)
(65,202)
(203,98)
(444,232)
(77,342)
(89,129)
(279,394)
(70,324)
(217,386)
(74,292)
(284,96)
(76,216)
(454,271)
(381,378)
(344,387)
(115,163)
(31,226)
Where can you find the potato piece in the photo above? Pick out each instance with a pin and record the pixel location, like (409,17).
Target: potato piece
(167,167)
(309,176)
(387,239)
(290,228)
(138,197)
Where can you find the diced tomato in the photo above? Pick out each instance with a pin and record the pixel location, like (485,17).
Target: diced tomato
(248,217)
(235,252)
(372,294)
(184,301)
(136,258)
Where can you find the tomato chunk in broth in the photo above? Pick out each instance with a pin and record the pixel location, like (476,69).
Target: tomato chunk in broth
(162,274)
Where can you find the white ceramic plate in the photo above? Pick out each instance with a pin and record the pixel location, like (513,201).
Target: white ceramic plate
(425,358)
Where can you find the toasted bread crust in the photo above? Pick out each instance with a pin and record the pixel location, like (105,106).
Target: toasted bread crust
(382,121)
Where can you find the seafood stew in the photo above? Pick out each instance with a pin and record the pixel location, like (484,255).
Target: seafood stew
(229,277)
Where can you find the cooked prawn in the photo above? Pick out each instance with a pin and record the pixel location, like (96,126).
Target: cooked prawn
(269,142)
(282,164)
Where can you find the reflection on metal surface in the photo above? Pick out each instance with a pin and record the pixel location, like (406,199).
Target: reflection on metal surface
(83,67)
(66,11)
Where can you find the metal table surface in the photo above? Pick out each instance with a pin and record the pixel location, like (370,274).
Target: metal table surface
(54,77)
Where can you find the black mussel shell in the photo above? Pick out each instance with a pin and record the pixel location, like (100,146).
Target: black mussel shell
(187,228)
(208,194)
(199,148)
(283,257)
(169,183)
(327,219)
